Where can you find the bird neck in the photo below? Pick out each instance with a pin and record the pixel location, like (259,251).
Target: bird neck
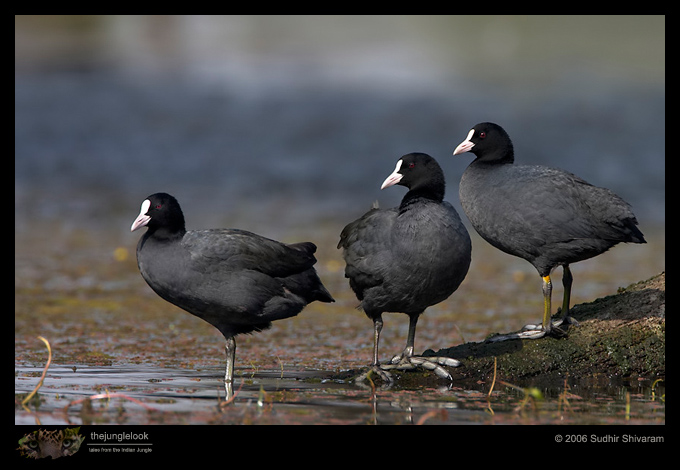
(167,234)
(502,156)
(435,194)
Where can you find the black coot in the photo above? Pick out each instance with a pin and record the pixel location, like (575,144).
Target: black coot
(547,216)
(237,281)
(408,258)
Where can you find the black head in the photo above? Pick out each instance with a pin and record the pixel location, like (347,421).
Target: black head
(160,212)
(420,173)
(489,143)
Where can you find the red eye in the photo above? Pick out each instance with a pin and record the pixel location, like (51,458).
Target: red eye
(411,165)
(158,206)
(482,135)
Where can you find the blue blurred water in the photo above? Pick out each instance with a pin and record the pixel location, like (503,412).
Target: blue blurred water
(299,130)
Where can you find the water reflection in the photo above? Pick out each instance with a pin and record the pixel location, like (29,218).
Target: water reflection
(148,395)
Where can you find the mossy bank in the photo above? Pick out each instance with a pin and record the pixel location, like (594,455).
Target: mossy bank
(619,336)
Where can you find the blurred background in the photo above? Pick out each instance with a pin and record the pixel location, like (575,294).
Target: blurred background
(251,115)
(287,125)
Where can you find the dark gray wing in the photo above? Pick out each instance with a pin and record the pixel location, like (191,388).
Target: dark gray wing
(233,249)
(366,245)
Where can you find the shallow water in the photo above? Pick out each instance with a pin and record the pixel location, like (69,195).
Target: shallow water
(179,396)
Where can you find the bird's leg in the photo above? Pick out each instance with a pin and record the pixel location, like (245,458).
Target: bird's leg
(547,297)
(567,280)
(406,360)
(410,340)
(229,373)
(533,331)
(547,327)
(375,367)
(377,328)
